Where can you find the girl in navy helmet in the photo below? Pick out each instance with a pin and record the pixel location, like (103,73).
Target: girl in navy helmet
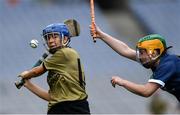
(66,79)
(151,52)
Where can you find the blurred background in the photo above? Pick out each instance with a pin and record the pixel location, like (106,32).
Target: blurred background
(127,20)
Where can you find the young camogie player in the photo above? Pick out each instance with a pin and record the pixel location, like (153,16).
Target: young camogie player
(151,52)
(66,79)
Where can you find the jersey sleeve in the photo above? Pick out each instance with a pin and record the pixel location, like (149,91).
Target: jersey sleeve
(54,61)
(163,73)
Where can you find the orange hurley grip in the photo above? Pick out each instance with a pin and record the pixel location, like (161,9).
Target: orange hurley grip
(93,19)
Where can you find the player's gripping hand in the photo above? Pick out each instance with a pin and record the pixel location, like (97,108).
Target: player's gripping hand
(27,82)
(116,80)
(95,30)
(24,74)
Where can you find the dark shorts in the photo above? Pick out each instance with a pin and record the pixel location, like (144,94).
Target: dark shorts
(70,107)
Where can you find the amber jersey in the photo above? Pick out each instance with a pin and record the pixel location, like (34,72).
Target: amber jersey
(66,77)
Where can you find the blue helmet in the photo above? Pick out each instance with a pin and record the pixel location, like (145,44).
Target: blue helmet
(57,27)
(60,29)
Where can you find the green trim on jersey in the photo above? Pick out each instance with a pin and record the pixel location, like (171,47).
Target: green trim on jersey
(63,76)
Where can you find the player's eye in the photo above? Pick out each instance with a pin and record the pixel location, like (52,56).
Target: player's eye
(142,51)
(48,37)
(56,36)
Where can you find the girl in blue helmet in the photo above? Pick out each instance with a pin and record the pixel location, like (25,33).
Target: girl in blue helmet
(151,52)
(66,79)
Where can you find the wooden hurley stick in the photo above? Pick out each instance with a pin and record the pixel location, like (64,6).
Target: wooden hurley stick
(93,19)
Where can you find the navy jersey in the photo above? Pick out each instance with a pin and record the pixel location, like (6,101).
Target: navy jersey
(167,74)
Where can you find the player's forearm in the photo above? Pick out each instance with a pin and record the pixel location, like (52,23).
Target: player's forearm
(38,91)
(34,72)
(118,46)
(30,74)
(138,89)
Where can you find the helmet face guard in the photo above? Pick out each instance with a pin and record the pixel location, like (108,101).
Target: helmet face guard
(149,49)
(147,59)
(56,30)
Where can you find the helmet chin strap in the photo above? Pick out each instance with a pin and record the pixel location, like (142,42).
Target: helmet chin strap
(64,44)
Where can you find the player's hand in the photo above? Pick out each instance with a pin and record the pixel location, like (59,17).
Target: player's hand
(27,82)
(95,31)
(116,80)
(23,74)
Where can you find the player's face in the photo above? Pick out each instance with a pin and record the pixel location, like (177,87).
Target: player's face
(143,56)
(147,57)
(53,40)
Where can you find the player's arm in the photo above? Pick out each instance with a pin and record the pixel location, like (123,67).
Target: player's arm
(117,45)
(40,92)
(145,90)
(34,72)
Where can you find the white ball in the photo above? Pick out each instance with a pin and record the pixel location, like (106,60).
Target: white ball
(34,43)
